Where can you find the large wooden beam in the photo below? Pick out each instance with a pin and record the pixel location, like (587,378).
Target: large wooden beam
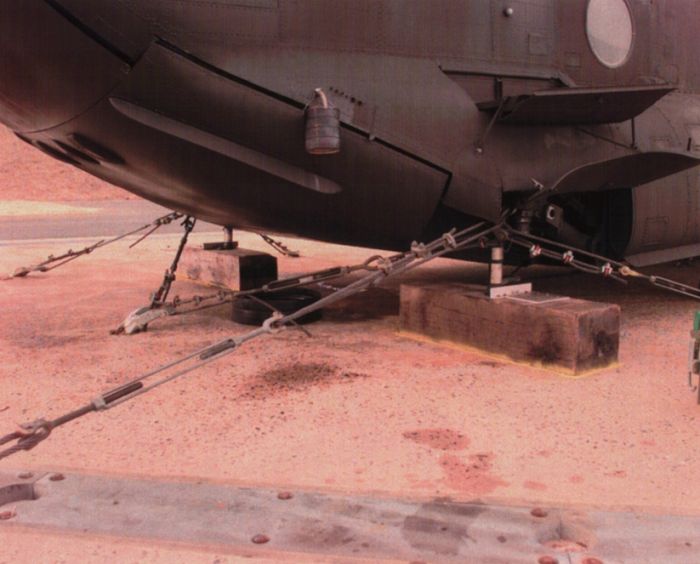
(237,269)
(568,334)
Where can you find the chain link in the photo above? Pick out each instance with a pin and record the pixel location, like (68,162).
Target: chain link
(200,302)
(53,262)
(593,263)
(378,269)
(280,247)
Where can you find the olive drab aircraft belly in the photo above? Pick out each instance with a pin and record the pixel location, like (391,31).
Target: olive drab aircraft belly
(582,117)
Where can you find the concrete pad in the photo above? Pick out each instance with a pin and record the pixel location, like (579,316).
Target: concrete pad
(235,269)
(569,334)
(332,525)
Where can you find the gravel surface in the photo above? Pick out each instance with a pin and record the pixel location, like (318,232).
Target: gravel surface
(359,407)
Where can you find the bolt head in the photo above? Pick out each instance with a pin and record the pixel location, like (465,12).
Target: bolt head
(25,475)
(539,513)
(7,515)
(284,496)
(260,539)
(57,477)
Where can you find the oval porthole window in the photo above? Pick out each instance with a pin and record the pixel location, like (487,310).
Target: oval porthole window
(610,31)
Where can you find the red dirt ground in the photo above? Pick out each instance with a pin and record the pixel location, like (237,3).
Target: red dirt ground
(358,408)
(28,174)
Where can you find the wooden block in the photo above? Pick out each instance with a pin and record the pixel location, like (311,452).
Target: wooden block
(573,335)
(237,269)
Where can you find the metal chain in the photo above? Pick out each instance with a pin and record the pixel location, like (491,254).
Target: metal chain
(161,294)
(378,268)
(53,262)
(178,306)
(138,320)
(280,247)
(594,263)
(143,317)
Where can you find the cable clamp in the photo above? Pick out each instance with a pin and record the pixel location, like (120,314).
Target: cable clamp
(419,249)
(99,403)
(270,324)
(535,251)
(449,240)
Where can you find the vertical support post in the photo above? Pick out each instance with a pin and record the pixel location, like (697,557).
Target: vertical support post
(228,238)
(496,266)
(161,294)
(498,88)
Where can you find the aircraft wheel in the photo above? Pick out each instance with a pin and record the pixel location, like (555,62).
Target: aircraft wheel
(249,311)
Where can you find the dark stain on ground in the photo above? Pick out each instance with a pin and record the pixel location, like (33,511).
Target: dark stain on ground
(473,477)
(452,510)
(569,533)
(315,533)
(297,377)
(546,349)
(45,341)
(440,439)
(440,528)
(491,364)
(348,509)
(375,303)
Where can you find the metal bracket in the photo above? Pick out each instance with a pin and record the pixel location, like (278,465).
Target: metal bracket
(509,290)
(496,116)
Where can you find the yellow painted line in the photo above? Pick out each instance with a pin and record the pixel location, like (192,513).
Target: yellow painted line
(562,372)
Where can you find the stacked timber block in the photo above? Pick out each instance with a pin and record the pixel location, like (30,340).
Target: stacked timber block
(567,334)
(235,269)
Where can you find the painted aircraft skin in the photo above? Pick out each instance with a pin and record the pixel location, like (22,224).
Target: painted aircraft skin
(583,117)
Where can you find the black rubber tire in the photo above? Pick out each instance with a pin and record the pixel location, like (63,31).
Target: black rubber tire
(248,311)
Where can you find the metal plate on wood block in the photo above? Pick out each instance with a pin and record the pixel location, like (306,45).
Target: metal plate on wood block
(567,334)
(539,298)
(236,269)
(509,290)
(347,527)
